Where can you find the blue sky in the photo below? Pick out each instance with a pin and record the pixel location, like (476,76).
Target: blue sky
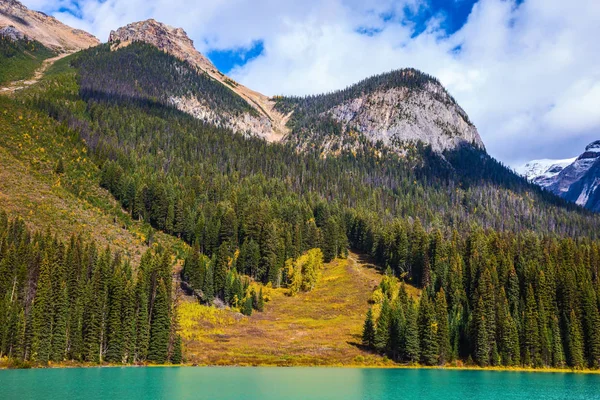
(454,12)
(525,71)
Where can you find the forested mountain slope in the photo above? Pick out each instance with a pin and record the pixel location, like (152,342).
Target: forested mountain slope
(265,121)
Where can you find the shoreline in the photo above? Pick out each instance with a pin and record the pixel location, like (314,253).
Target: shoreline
(344,366)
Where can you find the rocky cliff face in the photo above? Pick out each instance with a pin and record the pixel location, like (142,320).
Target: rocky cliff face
(577,181)
(267,123)
(45,29)
(399,116)
(397,110)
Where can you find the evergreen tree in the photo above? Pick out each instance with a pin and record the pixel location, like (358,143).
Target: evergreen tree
(159,326)
(43,315)
(428,334)
(574,342)
(59,334)
(220,270)
(443,332)
(368,335)
(382,333)
(247,306)
(411,334)
(176,357)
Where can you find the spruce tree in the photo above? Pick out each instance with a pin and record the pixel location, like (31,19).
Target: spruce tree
(220,270)
(159,326)
(427,331)
(43,315)
(176,357)
(482,349)
(411,334)
(261,301)
(59,334)
(247,307)
(382,333)
(368,335)
(443,332)
(574,342)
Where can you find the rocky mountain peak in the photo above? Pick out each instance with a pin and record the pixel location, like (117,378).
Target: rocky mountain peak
(398,109)
(174,41)
(594,148)
(45,29)
(271,125)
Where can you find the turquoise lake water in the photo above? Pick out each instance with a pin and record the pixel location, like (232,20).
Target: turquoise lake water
(292,384)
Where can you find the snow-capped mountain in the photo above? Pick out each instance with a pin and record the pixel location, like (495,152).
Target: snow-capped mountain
(576,180)
(539,171)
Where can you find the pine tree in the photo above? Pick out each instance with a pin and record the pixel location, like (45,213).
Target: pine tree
(368,336)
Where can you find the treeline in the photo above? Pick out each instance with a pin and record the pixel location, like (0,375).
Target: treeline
(490,299)
(311,106)
(61,302)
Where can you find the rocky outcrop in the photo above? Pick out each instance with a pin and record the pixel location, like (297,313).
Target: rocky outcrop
(399,116)
(269,124)
(12,33)
(47,30)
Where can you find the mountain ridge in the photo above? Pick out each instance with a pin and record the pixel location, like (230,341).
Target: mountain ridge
(576,180)
(43,28)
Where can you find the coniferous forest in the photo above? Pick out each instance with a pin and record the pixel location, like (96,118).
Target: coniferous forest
(509,274)
(74,301)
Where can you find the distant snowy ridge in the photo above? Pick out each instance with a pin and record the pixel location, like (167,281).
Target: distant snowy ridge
(545,167)
(575,179)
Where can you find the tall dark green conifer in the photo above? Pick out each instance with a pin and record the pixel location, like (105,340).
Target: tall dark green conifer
(159,326)
(368,335)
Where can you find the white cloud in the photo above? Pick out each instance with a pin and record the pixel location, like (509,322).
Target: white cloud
(527,75)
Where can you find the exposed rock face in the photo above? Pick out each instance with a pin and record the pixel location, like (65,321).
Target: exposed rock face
(399,116)
(12,33)
(578,181)
(43,28)
(270,124)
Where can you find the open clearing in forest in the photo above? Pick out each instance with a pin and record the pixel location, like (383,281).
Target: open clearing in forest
(321,327)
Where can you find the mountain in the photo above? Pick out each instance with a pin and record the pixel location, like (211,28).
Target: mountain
(43,28)
(396,109)
(540,171)
(388,108)
(576,180)
(265,121)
